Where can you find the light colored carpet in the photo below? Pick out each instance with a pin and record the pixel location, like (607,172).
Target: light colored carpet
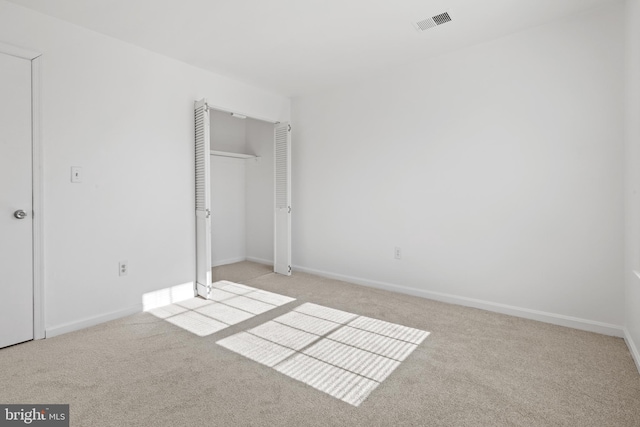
(476,368)
(342,354)
(228,303)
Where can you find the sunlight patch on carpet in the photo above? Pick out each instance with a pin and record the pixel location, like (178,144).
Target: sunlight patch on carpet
(167,311)
(253,293)
(336,382)
(283,335)
(224,313)
(256,348)
(196,323)
(339,353)
(230,303)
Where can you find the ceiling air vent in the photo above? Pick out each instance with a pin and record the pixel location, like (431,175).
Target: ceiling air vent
(432,22)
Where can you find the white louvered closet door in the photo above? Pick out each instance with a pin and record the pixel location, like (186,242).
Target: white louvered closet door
(282,238)
(203,198)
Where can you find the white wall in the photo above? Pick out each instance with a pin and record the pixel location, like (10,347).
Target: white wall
(228,133)
(632,231)
(260,192)
(126,116)
(228,207)
(228,229)
(242,190)
(497,169)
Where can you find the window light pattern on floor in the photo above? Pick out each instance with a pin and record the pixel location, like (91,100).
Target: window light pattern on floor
(342,354)
(230,303)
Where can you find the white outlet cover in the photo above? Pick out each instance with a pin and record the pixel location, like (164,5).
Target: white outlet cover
(123,268)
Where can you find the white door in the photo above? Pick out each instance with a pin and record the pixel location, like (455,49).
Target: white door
(282,238)
(203,198)
(16,211)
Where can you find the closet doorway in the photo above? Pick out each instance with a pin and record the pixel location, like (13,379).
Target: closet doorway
(243,192)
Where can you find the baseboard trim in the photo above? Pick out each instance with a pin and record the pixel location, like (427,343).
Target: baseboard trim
(91,321)
(228,261)
(541,316)
(260,261)
(633,349)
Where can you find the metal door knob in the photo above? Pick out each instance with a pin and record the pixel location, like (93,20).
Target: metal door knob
(20,214)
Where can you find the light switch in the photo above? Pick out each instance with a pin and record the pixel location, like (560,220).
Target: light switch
(76,174)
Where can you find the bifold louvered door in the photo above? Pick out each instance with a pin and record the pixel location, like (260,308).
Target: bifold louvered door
(203,198)
(282,238)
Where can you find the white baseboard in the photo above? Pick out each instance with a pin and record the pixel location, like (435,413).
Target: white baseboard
(91,321)
(228,261)
(260,261)
(633,349)
(555,319)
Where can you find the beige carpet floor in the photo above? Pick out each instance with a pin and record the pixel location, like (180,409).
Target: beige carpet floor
(476,368)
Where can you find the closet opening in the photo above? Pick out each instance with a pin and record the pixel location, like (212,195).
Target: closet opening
(242,189)
(242,192)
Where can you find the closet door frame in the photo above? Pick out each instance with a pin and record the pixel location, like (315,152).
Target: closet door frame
(204,289)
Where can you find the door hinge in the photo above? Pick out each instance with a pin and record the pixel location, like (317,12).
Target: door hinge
(289,271)
(208,213)
(288,128)
(288,209)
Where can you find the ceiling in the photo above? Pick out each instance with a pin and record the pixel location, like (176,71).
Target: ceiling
(296,47)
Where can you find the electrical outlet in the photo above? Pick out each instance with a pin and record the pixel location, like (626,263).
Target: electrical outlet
(123,268)
(397,253)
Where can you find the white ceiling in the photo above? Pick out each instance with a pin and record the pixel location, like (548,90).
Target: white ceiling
(296,47)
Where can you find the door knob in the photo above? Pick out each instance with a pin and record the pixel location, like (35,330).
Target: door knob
(20,214)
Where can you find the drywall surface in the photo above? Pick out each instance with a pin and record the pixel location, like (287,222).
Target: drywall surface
(260,191)
(497,169)
(228,230)
(125,115)
(632,188)
(227,132)
(242,190)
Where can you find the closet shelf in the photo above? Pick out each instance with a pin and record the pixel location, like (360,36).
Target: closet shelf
(234,155)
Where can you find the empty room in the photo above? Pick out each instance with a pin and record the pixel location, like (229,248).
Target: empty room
(320,213)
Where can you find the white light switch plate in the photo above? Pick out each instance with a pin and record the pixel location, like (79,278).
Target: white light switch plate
(76,174)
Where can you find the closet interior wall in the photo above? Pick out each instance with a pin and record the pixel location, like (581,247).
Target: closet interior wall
(242,190)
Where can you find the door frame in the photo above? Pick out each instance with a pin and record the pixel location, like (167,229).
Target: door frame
(37,184)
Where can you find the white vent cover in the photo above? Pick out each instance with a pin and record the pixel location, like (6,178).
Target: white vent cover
(434,21)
